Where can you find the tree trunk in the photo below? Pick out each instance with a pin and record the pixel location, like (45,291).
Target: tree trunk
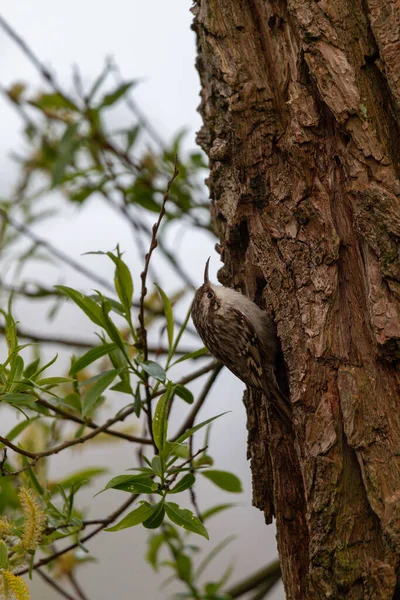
(301,109)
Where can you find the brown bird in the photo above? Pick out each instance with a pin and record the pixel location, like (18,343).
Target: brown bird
(242,336)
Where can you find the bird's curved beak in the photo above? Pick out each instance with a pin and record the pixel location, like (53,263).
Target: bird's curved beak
(206,278)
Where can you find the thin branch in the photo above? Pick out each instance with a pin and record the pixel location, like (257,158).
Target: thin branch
(178,468)
(45,73)
(107,521)
(143,292)
(271,571)
(188,422)
(54,584)
(35,457)
(75,584)
(55,251)
(83,344)
(70,417)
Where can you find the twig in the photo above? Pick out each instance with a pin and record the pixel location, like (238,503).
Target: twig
(54,584)
(120,417)
(45,73)
(143,292)
(83,344)
(70,417)
(186,462)
(192,493)
(55,251)
(77,587)
(271,571)
(107,521)
(188,422)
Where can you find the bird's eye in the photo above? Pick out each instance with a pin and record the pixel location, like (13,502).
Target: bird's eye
(210,295)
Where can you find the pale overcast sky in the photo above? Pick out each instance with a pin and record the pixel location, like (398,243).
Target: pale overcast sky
(150,40)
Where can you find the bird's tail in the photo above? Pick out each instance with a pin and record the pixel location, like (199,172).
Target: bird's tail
(279,402)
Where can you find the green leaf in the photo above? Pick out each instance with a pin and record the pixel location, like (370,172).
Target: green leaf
(66,148)
(131,135)
(153,369)
(113,97)
(73,401)
(214,552)
(178,450)
(19,428)
(89,306)
(192,430)
(16,371)
(54,380)
(156,465)
(141,484)
(214,510)
(97,389)
(133,518)
(184,567)
(53,101)
(110,326)
(168,316)
(185,518)
(160,422)
(224,480)
(79,477)
(184,393)
(183,484)
(123,282)
(19,399)
(3,556)
(156,518)
(154,545)
(192,355)
(90,356)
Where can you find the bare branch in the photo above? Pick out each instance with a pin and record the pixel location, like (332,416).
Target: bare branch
(200,401)
(107,521)
(54,584)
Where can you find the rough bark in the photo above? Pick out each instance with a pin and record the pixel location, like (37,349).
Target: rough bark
(301,110)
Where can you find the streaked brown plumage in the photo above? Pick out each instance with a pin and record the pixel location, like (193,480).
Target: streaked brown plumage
(242,336)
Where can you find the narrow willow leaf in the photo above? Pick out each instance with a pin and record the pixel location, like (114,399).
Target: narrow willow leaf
(82,476)
(16,371)
(123,282)
(124,482)
(224,480)
(214,552)
(185,518)
(90,356)
(168,316)
(184,393)
(18,399)
(133,518)
(97,389)
(154,545)
(192,355)
(156,518)
(19,428)
(153,369)
(214,510)
(114,96)
(160,422)
(157,466)
(183,484)
(54,380)
(89,306)
(184,567)
(192,430)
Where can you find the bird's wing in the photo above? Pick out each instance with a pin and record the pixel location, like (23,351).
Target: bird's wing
(251,351)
